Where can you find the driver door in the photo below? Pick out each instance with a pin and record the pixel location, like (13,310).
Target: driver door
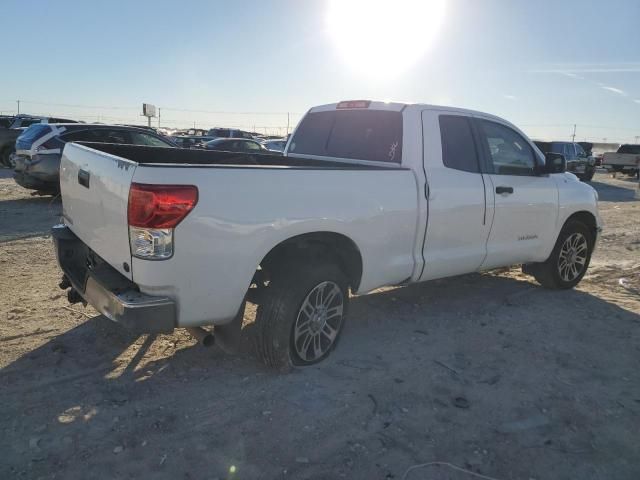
(526,203)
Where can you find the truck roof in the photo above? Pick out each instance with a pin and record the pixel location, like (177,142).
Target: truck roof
(394,106)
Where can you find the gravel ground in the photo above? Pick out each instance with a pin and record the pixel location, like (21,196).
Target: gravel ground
(488,372)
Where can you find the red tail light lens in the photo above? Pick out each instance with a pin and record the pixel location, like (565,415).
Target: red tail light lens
(160,206)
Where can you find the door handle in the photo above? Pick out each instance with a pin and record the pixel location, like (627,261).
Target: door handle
(507,190)
(83,178)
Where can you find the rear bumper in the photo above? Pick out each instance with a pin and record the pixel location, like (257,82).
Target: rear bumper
(110,293)
(27,181)
(37,173)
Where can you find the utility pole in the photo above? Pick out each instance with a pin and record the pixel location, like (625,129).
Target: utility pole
(287,124)
(18,102)
(573,137)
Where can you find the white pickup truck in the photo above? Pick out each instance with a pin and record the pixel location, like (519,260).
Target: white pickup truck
(626,159)
(368,194)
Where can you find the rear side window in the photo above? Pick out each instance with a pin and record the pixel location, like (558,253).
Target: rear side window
(100,135)
(31,121)
(374,135)
(97,135)
(458,147)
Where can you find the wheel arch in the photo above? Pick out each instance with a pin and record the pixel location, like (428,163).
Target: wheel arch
(314,246)
(588,219)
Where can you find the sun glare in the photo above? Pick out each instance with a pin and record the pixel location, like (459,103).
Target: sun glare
(382,38)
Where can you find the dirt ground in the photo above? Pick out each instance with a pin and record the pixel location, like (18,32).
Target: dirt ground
(488,372)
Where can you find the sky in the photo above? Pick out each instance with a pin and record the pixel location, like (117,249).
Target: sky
(544,65)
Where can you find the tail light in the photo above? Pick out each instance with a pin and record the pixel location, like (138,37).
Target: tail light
(153,213)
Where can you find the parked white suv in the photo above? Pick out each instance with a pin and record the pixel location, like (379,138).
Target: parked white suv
(367,194)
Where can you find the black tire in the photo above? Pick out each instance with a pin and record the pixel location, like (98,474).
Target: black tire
(4,157)
(550,273)
(588,175)
(281,311)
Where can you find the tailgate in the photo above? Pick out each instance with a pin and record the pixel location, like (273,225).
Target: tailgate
(95,193)
(625,159)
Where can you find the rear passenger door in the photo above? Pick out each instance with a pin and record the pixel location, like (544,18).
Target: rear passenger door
(459,217)
(526,203)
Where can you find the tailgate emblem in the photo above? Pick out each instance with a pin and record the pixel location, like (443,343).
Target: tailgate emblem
(83,178)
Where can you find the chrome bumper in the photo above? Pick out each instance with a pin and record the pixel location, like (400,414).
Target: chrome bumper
(110,293)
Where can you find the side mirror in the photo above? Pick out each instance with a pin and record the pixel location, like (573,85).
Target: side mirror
(554,163)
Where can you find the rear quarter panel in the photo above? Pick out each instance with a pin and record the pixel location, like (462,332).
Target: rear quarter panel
(244,212)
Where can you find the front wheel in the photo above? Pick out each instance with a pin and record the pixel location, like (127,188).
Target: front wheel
(569,259)
(302,315)
(588,175)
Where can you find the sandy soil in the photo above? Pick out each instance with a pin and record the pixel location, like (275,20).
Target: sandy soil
(488,372)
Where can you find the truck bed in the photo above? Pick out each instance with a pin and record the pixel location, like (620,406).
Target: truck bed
(247,205)
(149,156)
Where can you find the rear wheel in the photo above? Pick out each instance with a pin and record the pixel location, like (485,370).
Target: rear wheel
(6,157)
(302,315)
(569,259)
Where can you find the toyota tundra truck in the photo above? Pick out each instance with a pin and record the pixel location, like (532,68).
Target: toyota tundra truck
(368,194)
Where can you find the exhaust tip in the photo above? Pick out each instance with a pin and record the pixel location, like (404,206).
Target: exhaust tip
(204,337)
(208,340)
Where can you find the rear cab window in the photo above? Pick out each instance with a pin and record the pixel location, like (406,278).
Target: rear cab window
(458,145)
(358,134)
(632,149)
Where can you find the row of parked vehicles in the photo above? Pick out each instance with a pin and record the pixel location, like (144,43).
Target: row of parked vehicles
(33,146)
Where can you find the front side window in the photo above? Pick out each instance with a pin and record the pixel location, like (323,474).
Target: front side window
(138,138)
(117,136)
(509,152)
(458,146)
(374,135)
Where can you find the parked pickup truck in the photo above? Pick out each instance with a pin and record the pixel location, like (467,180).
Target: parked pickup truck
(579,163)
(367,194)
(626,159)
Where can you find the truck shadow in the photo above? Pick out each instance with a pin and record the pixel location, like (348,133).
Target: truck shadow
(28,217)
(97,395)
(614,193)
